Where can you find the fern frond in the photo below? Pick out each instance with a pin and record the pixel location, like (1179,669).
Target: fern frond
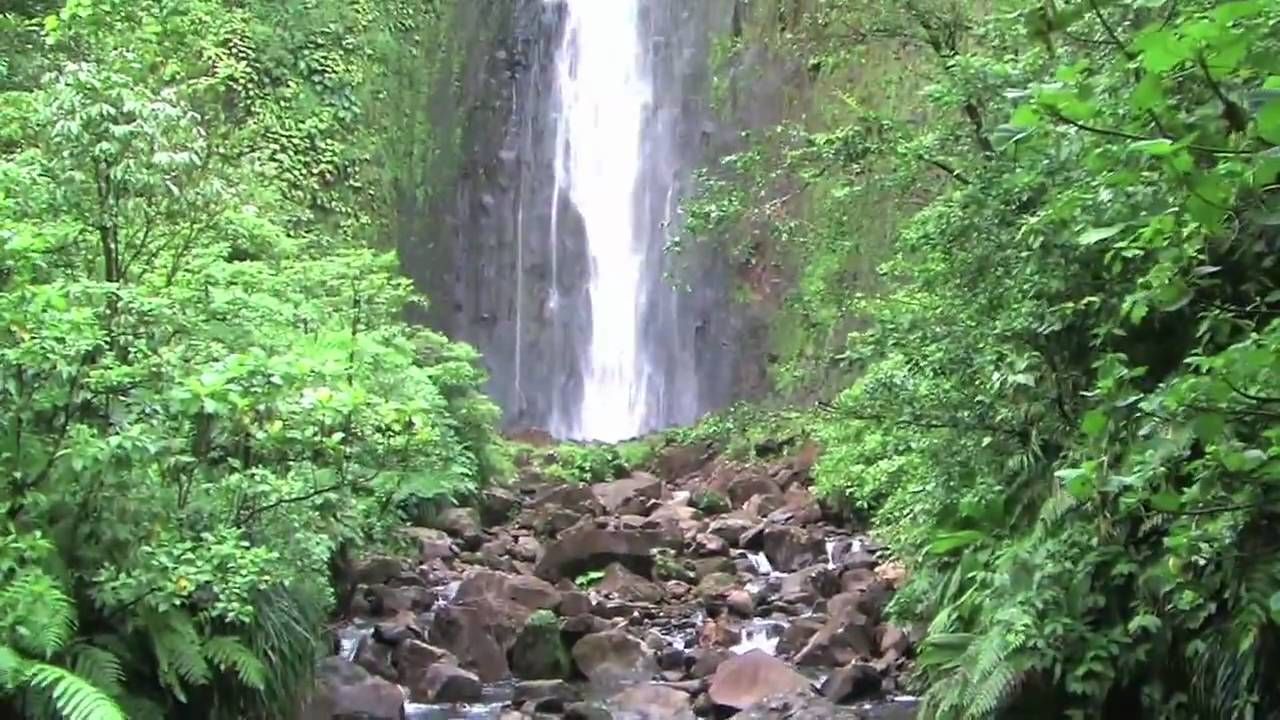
(230,655)
(45,616)
(179,653)
(98,666)
(72,696)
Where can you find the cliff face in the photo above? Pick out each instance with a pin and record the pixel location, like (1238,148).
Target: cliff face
(502,254)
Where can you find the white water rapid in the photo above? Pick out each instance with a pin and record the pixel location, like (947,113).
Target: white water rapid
(605,96)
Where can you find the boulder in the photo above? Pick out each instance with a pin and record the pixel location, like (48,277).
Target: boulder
(463,525)
(716,585)
(575,602)
(798,633)
(550,520)
(792,548)
(632,491)
(872,593)
(744,680)
(763,505)
(445,683)
(707,660)
(707,544)
(497,505)
(744,487)
(376,658)
(713,566)
(526,548)
(740,603)
(848,635)
(578,499)
(628,586)
(535,691)
(652,702)
(893,641)
(387,600)
(488,586)
(677,461)
(801,706)
(344,689)
(807,585)
(585,547)
(479,633)
(852,682)
(377,570)
(413,657)
(432,544)
(731,528)
(613,656)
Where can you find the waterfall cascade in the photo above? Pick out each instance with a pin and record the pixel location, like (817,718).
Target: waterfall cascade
(579,124)
(605,94)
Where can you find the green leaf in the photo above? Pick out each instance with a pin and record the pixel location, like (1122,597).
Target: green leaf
(1094,423)
(1166,501)
(1158,147)
(1268,120)
(1097,235)
(947,543)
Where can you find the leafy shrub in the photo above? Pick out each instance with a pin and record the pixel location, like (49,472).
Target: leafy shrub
(208,398)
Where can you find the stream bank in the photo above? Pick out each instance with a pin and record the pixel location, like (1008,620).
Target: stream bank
(707,588)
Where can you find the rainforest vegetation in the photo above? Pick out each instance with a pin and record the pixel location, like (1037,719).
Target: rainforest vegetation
(1041,239)
(208,394)
(1030,252)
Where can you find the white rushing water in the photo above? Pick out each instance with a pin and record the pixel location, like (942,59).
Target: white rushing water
(605,97)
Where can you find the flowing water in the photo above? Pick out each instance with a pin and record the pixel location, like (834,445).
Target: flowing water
(605,94)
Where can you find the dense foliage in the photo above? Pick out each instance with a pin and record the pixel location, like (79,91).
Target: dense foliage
(1066,415)
(208,393)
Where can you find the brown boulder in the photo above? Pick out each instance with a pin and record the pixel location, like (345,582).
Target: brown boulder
(486,585)
(579,499)
(852,682)
(731,528)
(742,681)
(848,635)
(791,548)
(628,586)
(432,544)
(444,683)
(744,487)
(344,689)
(461,523)
(613,656)
(653,702)
(586,547)
(633,492)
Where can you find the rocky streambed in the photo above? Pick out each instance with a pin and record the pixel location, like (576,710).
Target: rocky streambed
(709,588)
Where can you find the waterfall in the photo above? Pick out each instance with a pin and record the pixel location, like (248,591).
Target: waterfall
(605,97)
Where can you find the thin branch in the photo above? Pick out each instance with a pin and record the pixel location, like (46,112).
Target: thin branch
(1251,396)
(1111,33)
(1134,136)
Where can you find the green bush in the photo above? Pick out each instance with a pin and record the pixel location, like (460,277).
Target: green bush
(208,397)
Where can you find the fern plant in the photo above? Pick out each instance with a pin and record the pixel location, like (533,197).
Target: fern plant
(37,620)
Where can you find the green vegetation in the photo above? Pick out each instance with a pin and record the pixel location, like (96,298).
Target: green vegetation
(1065,415)
(588,463)
(589,579)
(208,395)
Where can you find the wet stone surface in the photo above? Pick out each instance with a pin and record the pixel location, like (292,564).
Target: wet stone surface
(779,615)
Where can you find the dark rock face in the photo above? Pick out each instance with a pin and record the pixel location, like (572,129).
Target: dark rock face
(443,683)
